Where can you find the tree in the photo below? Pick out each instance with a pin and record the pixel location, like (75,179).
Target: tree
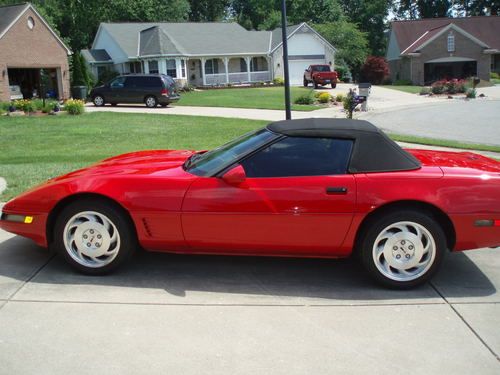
(208,10)
(314,11)
(478,7)
(370,16)
(350,42)
(414,9)
(375,70)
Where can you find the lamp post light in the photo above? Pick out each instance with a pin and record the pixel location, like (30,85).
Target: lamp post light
(288,112)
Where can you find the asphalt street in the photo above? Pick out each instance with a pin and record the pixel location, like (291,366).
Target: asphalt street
(181,314)
(460,120)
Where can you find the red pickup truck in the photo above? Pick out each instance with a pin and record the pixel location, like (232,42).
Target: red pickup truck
(320,75)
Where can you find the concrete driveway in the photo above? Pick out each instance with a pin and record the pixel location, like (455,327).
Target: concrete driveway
(172,314)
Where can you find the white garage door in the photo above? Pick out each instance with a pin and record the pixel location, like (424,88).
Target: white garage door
(297,68)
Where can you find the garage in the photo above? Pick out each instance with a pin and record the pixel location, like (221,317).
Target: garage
(297,68)
(448,68)
(40,67)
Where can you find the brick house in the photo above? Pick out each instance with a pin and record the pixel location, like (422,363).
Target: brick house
(27,45)
(426,50)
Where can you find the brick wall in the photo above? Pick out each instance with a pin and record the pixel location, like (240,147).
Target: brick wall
(36,48)
(464,47)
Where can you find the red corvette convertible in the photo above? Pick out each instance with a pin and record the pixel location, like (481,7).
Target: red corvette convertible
(302,188)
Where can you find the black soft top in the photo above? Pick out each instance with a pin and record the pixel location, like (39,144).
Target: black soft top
(373,151)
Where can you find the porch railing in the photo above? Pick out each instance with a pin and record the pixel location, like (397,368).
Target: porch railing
(237,77)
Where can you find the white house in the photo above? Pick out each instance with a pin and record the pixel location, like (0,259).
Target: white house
(205,54)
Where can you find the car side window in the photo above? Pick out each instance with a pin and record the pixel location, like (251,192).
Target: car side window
(133,82)
(300,156)
(118,82)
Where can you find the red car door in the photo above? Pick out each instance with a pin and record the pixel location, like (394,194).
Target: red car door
(274,210)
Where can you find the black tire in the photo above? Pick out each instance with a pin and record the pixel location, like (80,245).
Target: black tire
(98,100)
(151,101)
(305,82)
(334,85)
(125,244)
(316,86)
(401,278)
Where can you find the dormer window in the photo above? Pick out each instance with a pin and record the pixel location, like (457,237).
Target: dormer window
(451,43)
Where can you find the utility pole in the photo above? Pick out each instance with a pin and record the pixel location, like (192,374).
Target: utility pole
(285,61)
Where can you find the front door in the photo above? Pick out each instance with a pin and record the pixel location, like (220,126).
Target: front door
(296,200)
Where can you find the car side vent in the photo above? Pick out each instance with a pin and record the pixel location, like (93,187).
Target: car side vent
(146,227)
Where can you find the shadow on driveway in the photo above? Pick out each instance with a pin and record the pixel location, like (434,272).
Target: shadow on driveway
(187,279)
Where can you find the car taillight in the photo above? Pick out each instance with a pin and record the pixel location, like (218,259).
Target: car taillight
(164,92)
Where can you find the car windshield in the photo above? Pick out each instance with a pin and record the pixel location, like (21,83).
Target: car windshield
(321,68)
(211,162)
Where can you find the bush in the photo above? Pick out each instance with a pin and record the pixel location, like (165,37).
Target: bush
(375,70)
(49,106)
(279,81)
(494,75)
(107,76)
(403,82)
(349,103)
(74,106)
(471,93)
(4,106)
(324,97)
(339,98)
(24,105)
(438,87)
(425,91)
(37,104)
(307,98)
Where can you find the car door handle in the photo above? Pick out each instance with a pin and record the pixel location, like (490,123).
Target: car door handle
(336,190)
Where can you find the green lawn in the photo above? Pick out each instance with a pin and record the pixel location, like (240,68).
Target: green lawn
(257,97)
(409,89)
(34,149)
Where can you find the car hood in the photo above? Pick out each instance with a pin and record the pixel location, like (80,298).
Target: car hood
(151,162)
(457,160)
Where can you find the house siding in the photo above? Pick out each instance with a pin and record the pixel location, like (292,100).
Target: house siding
(21,47)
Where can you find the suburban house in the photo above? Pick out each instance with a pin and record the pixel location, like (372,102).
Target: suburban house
(204,54)
(423,51)
(28,45)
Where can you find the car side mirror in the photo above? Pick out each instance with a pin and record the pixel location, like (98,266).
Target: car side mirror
(235,176)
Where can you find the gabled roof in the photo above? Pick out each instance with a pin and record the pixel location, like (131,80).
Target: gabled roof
(276,37)
(96,55)
(414,34)
(9,14)
(187,38)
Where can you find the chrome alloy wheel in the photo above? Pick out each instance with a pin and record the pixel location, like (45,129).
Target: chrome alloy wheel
(150,102)
(91,239)
(404,251)
(99,101)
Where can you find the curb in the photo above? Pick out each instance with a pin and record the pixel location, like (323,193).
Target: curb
(3,184)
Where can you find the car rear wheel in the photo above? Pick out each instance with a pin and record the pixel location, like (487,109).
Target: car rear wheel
(306,82)
(94,237)
(334,85)
(151,102)
(98,101)
(403,249)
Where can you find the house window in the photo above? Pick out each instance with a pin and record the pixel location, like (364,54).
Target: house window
(183,68)
(451,43)
(31,23)
(171,69)
(258,64)
(153,67)
(212,66)
(243,65)
(135,67)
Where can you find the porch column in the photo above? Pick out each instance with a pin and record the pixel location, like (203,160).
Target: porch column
(226,66)
(178,67)
(248,59)
(203,71)
(162,66)
(146,66)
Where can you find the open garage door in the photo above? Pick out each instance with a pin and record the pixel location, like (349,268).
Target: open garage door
(449,68)
(297,68)
(32,81)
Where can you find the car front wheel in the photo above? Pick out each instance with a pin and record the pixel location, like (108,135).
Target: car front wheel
(98,101)
(334,85)
(151,102)
(94,237)
(306,82)
(403,249)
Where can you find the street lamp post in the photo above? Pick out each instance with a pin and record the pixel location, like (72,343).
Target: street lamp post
(285,61)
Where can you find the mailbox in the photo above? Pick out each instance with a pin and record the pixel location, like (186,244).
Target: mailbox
(364,91)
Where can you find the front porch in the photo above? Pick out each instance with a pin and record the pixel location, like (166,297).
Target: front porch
(206,71)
